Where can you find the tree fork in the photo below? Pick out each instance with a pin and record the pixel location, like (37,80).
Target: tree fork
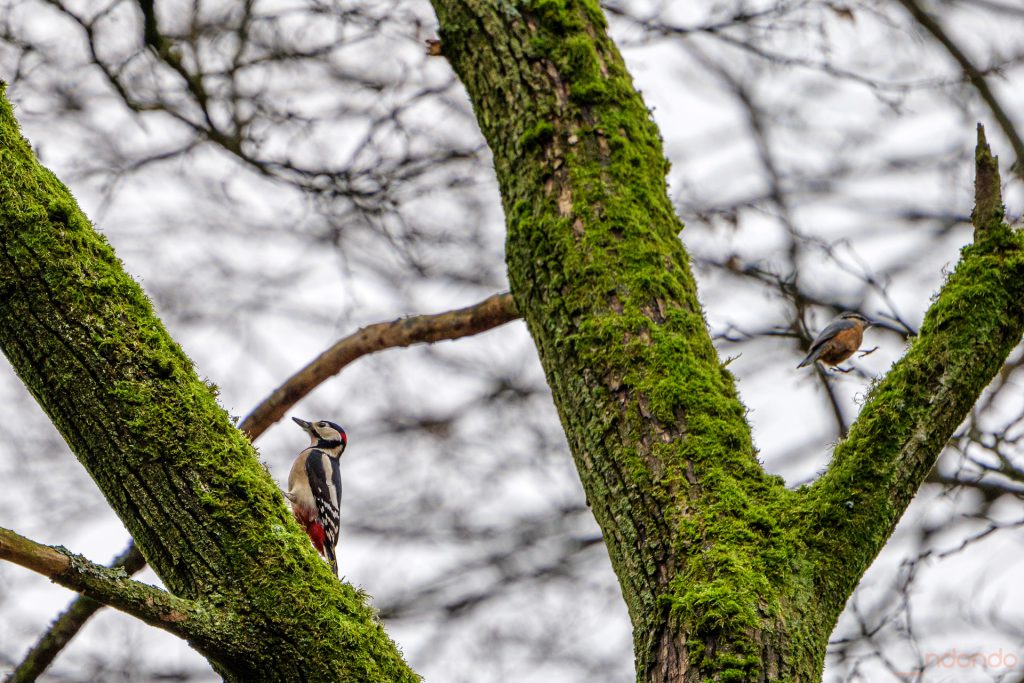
(727,575)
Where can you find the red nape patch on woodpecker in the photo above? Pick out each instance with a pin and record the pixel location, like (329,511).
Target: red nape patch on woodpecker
(316,534)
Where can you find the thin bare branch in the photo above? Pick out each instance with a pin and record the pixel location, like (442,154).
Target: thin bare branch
(973,74)
(490,313)
(113,587)
(68,624)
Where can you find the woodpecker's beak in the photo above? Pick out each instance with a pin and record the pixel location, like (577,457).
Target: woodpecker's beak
(308,426)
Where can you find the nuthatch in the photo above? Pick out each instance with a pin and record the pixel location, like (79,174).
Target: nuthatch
(839,340)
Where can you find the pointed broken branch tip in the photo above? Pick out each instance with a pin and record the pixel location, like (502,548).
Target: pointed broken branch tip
(988,200)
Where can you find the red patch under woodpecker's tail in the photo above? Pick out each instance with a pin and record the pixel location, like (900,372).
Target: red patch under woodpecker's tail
(316,534)
(314,529)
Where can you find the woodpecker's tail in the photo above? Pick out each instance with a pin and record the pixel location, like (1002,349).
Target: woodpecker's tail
(331,557)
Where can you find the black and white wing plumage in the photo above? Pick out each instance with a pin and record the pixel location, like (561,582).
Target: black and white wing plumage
(325,482)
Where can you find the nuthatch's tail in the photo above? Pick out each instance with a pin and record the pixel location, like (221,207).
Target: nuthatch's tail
(811,357)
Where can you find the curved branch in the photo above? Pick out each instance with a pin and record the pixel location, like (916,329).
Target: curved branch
(490,313)
(113,587)
(69,623)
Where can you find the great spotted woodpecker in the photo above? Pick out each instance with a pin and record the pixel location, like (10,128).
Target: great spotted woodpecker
(314,486)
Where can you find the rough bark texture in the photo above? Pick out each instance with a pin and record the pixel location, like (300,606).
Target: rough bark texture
(188,485)
(728,575)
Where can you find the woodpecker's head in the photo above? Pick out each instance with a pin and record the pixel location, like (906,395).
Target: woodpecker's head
(327,436)
(857,319)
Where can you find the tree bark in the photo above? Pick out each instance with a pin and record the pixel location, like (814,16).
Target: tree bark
(728,576)
(68,624)
(492,312)
(188,485)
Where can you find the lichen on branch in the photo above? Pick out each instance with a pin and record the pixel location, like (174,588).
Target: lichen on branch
(113,587)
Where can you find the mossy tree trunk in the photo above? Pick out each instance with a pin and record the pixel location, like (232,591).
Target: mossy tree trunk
(728,575)
(246,587)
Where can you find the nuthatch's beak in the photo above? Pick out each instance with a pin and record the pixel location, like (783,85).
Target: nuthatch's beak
(308,426)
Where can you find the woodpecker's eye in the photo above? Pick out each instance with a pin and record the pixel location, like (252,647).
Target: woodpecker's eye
(321,424)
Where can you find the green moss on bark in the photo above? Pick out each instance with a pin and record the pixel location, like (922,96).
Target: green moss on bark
(84,339)
(597,269)
(727,575)
(972,326)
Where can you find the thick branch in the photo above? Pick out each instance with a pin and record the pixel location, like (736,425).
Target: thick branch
(67,625)
(604,284)
(113,587)
(188,486)
(973,74)
(977,319)
(490,313)
(722,580)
